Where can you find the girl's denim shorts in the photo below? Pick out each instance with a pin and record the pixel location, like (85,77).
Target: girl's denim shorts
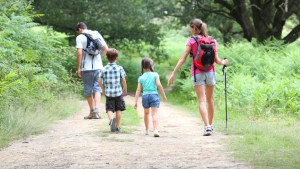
(150,100)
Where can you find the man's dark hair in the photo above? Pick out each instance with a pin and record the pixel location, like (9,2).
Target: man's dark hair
(80,25)
(112,54)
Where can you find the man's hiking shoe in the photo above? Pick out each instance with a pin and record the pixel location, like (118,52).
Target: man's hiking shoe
(113,125)
(207,131)
(90,116)
(96,114)
(118,130)
(155,133)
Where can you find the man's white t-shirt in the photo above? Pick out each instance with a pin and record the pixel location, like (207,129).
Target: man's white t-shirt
(88,62)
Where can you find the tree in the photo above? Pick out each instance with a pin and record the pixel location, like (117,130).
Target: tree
(260,19)
(115,19)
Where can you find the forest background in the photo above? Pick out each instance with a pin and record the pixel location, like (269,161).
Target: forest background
(38,83)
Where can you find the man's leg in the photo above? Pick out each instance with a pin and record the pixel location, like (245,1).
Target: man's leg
(96,102)
(97,93)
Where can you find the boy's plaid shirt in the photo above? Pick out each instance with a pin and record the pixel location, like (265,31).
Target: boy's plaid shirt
(111,78)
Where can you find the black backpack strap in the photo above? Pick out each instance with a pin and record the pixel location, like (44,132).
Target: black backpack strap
(88,39)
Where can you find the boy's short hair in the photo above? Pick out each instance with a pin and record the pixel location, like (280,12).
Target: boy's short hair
(112,54)
(80,25)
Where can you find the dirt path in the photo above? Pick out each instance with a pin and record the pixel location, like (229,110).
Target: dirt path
(77,143)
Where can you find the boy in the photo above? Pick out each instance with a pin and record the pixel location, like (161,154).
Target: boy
(109,81)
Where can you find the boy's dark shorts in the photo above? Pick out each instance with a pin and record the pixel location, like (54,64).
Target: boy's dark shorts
(115,104)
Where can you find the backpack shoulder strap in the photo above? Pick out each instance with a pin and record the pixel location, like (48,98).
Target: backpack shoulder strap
(88,39)
(196,38)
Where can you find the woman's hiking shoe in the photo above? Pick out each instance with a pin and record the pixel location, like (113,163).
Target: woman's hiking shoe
(207,131)
(155,133)
(113,125)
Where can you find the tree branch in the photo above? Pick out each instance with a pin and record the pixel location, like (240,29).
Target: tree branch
(293,35)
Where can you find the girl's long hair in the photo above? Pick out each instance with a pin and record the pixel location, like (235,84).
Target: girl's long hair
(147,63)
(200,25)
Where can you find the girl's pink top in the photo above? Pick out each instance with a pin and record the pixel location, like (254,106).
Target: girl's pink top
(192,43)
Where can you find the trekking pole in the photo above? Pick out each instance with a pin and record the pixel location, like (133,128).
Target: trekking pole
(225,89)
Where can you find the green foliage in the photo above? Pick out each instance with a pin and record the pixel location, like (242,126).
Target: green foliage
(33,68)
(130,19)
(263,100)
(262,79)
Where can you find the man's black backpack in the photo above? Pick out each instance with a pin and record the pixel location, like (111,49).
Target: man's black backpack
(95,42)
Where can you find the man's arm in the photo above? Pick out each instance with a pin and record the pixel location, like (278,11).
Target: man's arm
(79,59)
(101,85)
(105,49)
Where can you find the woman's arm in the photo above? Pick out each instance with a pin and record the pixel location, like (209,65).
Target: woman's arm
(219,61)
(179,64)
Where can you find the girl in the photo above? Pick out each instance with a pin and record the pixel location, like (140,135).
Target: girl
(205,80)
(148,83)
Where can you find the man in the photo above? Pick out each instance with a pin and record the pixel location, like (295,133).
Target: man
(88,67)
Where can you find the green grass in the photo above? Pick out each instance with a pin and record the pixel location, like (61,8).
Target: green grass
(22,122)
(130,119)
(263,142)
(266,142)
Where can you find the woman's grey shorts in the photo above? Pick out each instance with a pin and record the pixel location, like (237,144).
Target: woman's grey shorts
(90,82)
(205,78)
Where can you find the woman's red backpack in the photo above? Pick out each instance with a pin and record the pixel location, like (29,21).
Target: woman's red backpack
(206,52)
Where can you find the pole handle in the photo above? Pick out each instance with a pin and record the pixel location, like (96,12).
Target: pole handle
(224,66)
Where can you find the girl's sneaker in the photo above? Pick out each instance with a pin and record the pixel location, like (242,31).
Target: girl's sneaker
(207,131)
(147,132)
(155,133)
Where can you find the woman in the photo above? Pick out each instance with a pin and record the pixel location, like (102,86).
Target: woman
(203,81)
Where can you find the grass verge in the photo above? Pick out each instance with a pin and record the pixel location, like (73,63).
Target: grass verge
(22,122)
(262,141)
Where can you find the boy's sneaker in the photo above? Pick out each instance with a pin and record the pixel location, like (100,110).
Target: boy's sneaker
(155,133)
(118,130)
(113,125)
(147,132)
(207,131)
